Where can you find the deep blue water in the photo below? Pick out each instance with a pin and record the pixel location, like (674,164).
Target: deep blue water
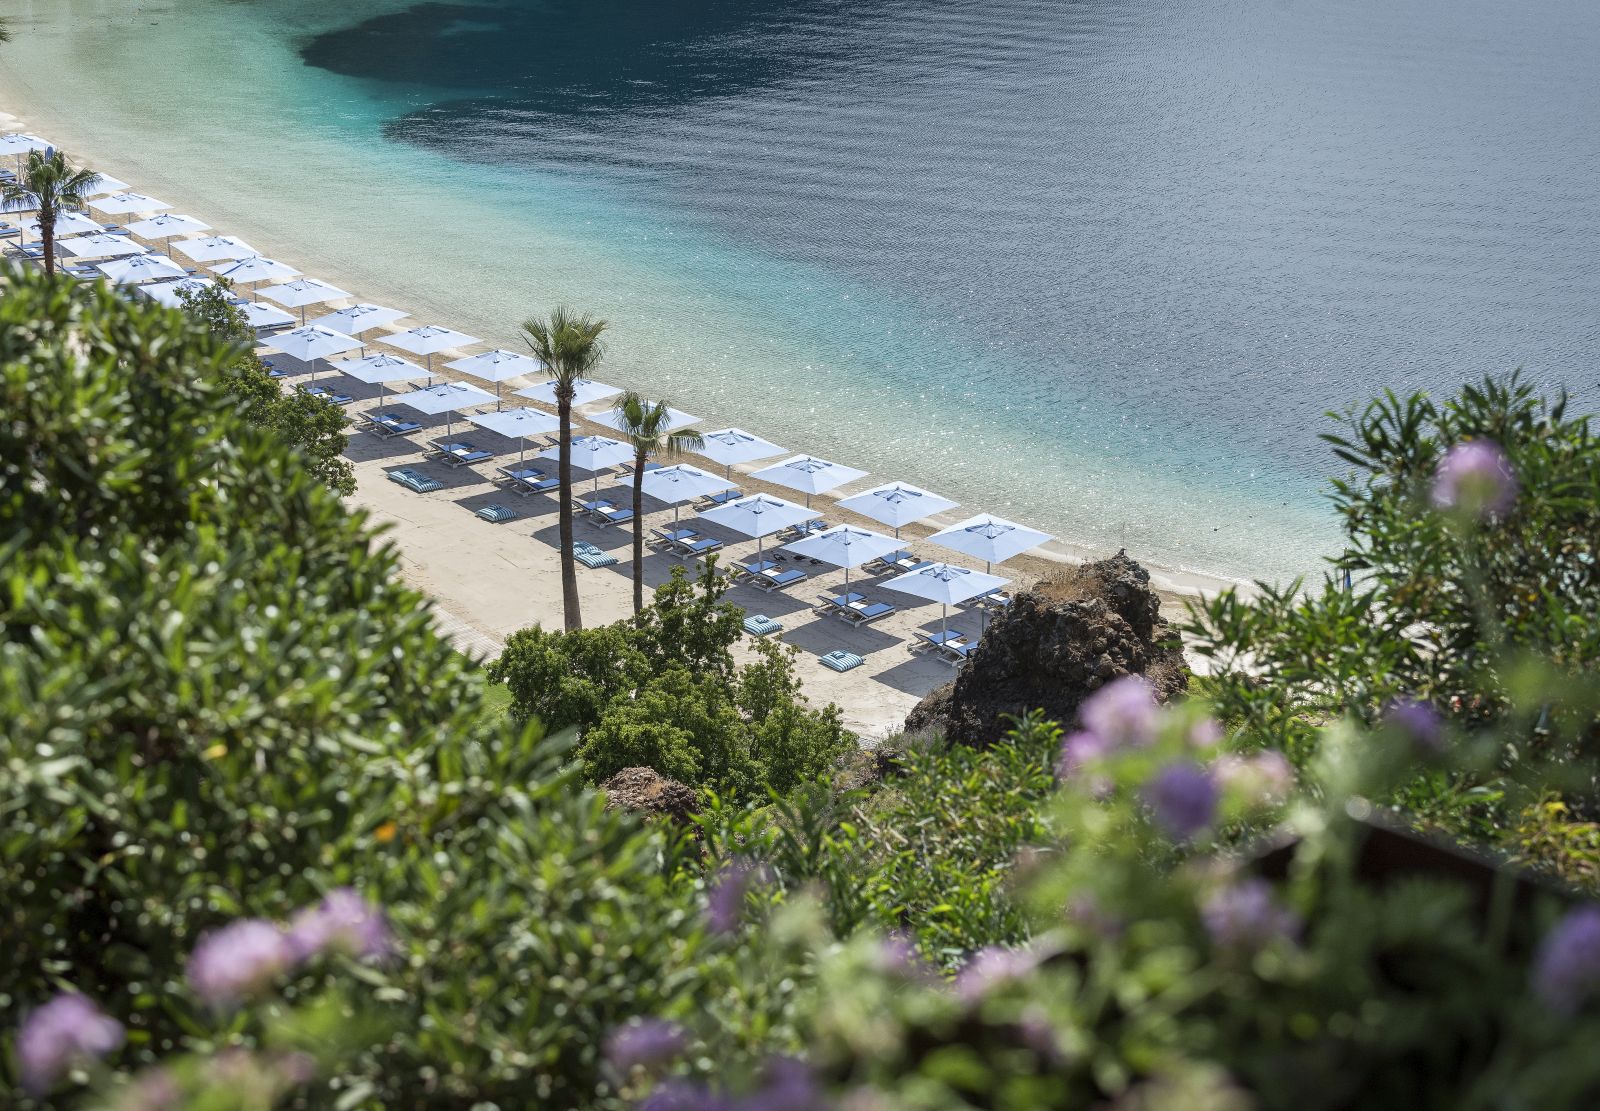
(1169,234)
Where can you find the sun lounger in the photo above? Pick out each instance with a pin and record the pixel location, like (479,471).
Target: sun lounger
(840,660)
(956,653)
(668,538)
(591,556)
(497,514)
(742,571)
(803,529)
(603,512)
(996,599)
(723,498)
(457,453)
(926,642)
(899,562)
(525,480)
(865,613)
(272,370)
(415,480)
(327,394)
(768,581)
(760,625)
(832,603)
(390,425)
(628,468)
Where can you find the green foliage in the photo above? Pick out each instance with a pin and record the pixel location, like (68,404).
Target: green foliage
(217,700)
(1442,610)
(314,426)
(663,692)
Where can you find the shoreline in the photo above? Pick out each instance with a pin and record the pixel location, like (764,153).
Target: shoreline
(481,586)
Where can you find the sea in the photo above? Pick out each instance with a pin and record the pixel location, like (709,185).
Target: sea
(1102,267)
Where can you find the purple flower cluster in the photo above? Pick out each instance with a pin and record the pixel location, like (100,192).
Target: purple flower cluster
(1264,779)
(344,922)
(992,967)
(1475,478)
(725,903)
(1247,916)
(787,1084)
(1566,970)
(244,958)
(644,1043)
(1183,799)
(1122,713)
(1419,723)
(66,1031)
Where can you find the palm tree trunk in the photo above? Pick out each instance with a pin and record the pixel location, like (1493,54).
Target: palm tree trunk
(569,564)
(638,533)
(47,236)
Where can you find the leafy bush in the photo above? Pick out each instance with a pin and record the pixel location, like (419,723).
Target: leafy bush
(662,690)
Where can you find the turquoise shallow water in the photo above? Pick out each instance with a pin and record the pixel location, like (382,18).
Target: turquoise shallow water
(1098,266)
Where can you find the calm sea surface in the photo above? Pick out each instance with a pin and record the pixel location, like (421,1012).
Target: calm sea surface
(1102,266)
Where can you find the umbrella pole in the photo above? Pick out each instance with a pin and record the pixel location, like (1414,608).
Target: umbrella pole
(944,620)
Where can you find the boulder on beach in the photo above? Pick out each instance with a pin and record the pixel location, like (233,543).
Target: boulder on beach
(1053,647)
(647,792)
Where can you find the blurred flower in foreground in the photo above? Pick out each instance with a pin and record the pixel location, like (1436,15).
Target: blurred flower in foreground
(1566,970)
(66,1031)
(1246,915)
(644,1043)
(1475,478)
(343,922)
(1264,779)
(238,961)
(725,903)
(152,1090)
(991,967)
(1122,713)
(1419,722)
(1183,798)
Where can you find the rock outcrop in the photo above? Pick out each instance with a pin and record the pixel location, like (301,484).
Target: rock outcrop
(646,791)
(1054,646)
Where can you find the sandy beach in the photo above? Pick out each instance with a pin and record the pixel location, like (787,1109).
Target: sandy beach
(489,580)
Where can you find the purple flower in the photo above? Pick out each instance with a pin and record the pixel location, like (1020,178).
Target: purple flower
(1078,750)
(65,1031)
(343,922)
(1566,970)
(991,967)
(1246,915)
(1205,733)
(1122,713)
(1264,779)
(1419,722)
(238,961)
(787,1085)
(1183,798)
(725,903)
(152,1090)
(644,1043)
(680,1095)
(1475,478)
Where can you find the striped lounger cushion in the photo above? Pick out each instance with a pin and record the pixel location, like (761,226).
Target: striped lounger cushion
(496,514)
(415,480)
(760,625)
(840,660)
(591,556)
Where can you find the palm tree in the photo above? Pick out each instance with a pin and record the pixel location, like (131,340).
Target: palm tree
(51,183)
(5,30)
(569,346)
(645,425)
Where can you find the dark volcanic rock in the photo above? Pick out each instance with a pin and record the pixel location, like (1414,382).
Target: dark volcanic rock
(650,793)
(1054,646)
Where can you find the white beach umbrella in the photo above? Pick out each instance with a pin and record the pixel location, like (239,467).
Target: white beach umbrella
(379,370)
(253,268)
(67,223)
(17,143)
(734,445)
(896,504)
(844,546)
(301,292)
(216,248)
(759,515)
(497,366)
(119,204)
(100,246)
(946,584)
(989,538)
(140,268)
(682,483)
(446,397)
(310,343)
(594,454)
(360,318)
(809,475)
(167,293)
(165,227)
(517,424)
(259,315)
(104,183)
(676,418)
(428,340)
(584,391)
